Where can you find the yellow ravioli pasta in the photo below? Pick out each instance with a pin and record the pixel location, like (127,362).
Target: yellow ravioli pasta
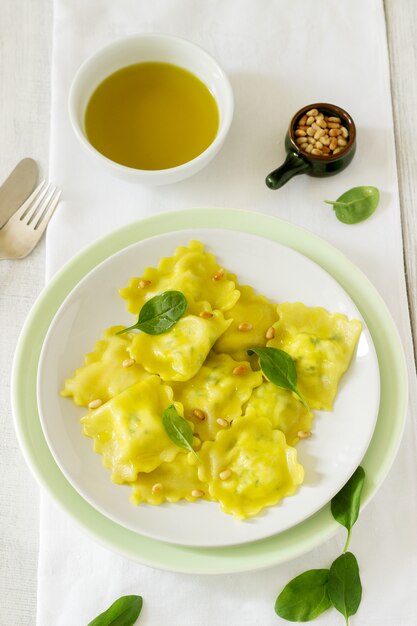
(179,353)
(174,481)
(192,271)
(128,430)
(251,309)
(282,408)
(217,392)
(263,468)
(103,375)
(321,343)
(247,461)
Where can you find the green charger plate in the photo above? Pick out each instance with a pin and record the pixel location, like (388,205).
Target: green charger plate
(252,556)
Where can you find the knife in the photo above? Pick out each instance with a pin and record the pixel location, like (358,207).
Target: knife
(17,187)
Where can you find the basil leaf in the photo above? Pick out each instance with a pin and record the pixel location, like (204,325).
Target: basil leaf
(178,429)
(346,504)
(279,368)
(344,586)
(356,205)
(123,612)
(305,597)
(160,313)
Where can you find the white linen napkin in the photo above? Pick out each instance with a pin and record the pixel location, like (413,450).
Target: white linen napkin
(279,55)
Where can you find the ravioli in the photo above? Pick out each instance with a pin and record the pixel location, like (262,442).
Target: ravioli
(252,316)
(170,482)
(179,353)
(244,427)
(263,468)
(191,270)
(321,343)
(282,408)
(103,376)
(128,430)
(216,392)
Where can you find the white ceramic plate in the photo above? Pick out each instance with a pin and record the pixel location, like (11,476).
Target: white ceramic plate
(340,438)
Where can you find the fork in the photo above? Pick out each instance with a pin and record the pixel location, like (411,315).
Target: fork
(24,229)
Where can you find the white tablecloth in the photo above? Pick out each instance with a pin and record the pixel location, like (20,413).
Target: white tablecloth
(279,55)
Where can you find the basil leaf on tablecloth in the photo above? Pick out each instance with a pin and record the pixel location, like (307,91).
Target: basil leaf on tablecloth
(305,597)
(123,612)
(355,205)
(345,505)
(344,585)
(160,313)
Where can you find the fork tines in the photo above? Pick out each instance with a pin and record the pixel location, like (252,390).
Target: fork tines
(42,202)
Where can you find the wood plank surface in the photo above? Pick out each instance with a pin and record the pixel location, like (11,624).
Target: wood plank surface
(25,55)
(401,18)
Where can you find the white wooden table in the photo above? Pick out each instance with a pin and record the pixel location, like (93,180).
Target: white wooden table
(25,56)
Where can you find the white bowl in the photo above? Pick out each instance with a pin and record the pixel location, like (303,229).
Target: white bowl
(145,48)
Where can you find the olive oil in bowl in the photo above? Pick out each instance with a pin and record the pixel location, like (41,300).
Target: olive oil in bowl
(151,116)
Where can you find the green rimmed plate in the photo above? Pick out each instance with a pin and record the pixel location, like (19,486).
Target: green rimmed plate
(276,549)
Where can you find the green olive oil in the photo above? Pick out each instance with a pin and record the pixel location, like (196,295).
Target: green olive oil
(151,116)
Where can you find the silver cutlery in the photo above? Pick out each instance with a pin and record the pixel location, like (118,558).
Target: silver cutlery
(24,229)
(17,187)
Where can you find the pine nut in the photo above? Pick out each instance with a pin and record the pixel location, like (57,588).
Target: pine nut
(245,326)
(143,283)
(225,474)
(240,370)
(157,488)
(128,362)
(270,333)
(197,493)
(219,274)
(94,404)
(316,131)
(222,422)
(304,434)
(206,315)
(199,414)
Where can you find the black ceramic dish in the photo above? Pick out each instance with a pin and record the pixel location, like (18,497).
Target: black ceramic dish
(300,162)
